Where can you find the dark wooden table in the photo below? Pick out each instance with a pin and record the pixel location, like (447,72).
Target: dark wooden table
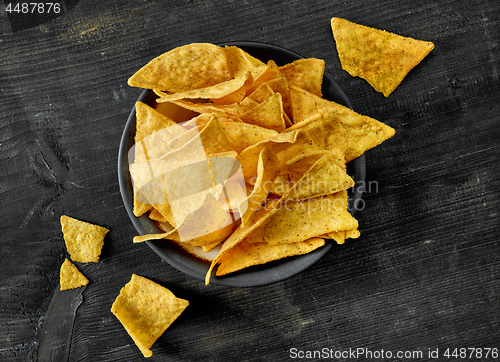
(424,275)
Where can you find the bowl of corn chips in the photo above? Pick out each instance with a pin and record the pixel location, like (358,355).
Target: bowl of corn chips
(240,163)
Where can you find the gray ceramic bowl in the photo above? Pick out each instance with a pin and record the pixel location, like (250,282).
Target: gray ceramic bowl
(195,267)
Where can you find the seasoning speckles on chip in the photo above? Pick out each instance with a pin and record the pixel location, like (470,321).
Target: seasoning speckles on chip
(84,241)
(146,309)
(381,58)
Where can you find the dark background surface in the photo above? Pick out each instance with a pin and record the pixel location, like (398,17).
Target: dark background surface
(423,275)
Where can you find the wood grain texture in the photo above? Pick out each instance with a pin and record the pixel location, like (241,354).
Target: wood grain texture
(425,273)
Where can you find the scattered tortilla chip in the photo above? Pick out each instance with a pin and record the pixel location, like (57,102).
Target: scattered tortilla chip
(306,74)
(247,254)
(146,309)
(84,241)
(191,66)
(381,58)
(70,277)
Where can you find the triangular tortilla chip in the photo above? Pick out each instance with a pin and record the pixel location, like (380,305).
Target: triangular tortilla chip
(146,309)
(70,277)
(240,61)
(270,72)
(190,66)
(257,219)
(84,241)
(296,221)
(326,176)
(218,90)
(381,58)
(339,126)
(267,169)
(306,74)
(247,254)
(268,114)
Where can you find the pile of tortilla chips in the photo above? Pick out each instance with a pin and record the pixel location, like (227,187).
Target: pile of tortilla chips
(244,158)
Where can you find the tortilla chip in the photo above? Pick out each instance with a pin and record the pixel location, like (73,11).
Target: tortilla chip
(267,169)
(338,126)
(247,254)
(268,114)
(241,134)
(306,74)
(191,66)
(240,62)
(261,93)
(205,225)
(299,220)
(258,218)
(281,86)
(218,90)
(270,72)
(70,277)
(146,310)
(209,107)
(326,176)
(381,58)
(214,139)
(153,132)
(249,157)
(84,241)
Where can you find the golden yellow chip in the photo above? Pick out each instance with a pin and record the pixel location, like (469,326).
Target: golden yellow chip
(84,241)
(258,218)
(152,128)
(270,72)
(146,309)
(267,169)
(218,90)
(326,176)
(240,61)
(338,126)
(306,74)
(241,134)
(70,277)
(281,85)
(261,93)
(381,58)
(191,66)
(268,114)
(247,254)
(299,220)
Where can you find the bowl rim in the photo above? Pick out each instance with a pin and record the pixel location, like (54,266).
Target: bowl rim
(188,264)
